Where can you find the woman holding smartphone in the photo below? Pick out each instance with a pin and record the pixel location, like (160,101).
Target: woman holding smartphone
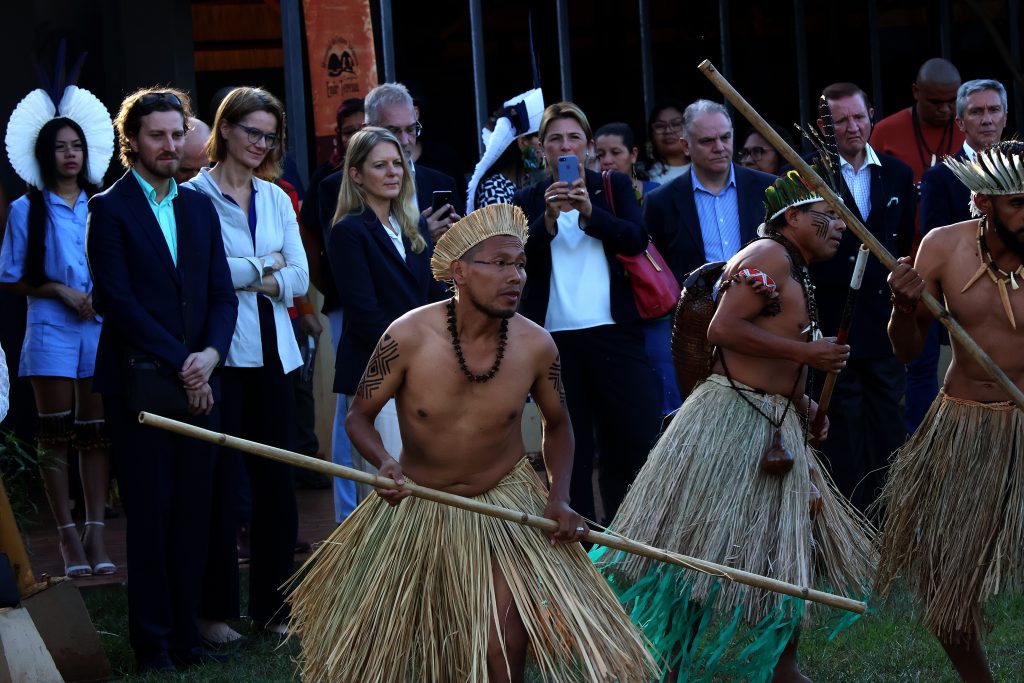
(381,262)
(579,292)
(269,269)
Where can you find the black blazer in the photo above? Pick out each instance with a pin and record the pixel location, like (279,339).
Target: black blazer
(944,199)
(148,304)
(376,286)
(670,214)
(891,221)
(427,180)
(621,233)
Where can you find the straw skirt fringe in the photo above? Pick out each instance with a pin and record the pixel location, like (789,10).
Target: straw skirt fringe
(402,594)
(702,492)
(954,502)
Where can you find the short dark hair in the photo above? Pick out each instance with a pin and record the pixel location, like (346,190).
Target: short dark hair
(144,102)
(352,105)
(618,128)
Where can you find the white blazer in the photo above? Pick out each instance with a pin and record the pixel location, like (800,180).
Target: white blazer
(277,230)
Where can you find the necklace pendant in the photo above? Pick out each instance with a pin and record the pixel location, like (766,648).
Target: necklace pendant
(1013,282)
(933,160)
(777,460)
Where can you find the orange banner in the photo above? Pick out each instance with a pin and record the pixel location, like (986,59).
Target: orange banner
(342,61)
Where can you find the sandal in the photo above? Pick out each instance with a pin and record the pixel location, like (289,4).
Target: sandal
(105,568)
(72,571)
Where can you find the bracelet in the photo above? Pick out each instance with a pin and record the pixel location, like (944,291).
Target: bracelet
(905,309)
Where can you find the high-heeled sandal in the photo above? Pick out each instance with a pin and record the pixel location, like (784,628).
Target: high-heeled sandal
(72,571)
(100,568)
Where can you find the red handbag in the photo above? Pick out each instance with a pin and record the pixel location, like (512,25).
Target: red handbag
(655,288)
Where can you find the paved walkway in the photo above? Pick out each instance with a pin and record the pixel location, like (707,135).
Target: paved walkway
(316,522)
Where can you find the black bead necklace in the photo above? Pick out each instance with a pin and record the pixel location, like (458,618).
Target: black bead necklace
(453,330)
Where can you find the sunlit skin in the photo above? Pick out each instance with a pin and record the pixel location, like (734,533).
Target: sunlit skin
(564,137)
(936,104)
(757,154)
(380,178)
(193,155)
(947,257)
(984,118)
(615,156)
(249,154)
(666,136)
(159,144)
(464,437)
(709,143)
(852,120)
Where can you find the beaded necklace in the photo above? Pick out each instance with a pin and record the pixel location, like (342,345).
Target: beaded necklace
(453,330)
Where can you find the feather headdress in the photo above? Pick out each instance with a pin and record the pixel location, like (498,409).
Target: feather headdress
(59,97)
(484,223)
(998,170)
(791,190)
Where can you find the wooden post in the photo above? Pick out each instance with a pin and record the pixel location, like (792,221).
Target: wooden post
(542,523)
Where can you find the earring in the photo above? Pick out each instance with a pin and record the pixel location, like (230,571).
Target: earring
(632,172)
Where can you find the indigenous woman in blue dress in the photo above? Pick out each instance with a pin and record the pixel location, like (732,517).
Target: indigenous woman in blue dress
(61,150)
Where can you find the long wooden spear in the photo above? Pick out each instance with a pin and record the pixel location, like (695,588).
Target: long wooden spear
(542,523)
(808,175)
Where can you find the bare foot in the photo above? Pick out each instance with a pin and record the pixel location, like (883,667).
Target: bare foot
(217,632)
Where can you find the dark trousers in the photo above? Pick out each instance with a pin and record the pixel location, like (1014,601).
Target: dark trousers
(612,394)
(258,405)
(923,380)
(865,427)
(165,482)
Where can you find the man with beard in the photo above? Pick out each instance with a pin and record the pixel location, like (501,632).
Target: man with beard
(955,494)
(164,290)
(415,590)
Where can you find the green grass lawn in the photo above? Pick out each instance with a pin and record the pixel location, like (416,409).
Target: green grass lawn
(887,646)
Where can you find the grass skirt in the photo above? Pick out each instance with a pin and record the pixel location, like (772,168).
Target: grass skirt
(405,593)
(954,523)
(703,493)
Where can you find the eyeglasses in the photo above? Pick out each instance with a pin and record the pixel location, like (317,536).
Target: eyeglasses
(501,264)
(412,131)
(662,127)
(255,135)
(154,98)
(754,153)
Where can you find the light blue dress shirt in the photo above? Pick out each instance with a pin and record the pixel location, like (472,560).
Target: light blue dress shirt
(719,216)
(164,212)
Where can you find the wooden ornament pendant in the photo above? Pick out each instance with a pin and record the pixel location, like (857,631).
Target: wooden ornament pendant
(777,460)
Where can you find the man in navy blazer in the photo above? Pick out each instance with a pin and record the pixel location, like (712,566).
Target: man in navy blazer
(865,414)
(714,208)
(164,290)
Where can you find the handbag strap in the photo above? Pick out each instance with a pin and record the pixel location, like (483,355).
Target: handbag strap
(606,180)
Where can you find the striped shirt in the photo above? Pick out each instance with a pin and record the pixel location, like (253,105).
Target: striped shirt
(719,216)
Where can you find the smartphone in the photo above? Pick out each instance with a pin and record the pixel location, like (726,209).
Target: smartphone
(569,169)
(441,197)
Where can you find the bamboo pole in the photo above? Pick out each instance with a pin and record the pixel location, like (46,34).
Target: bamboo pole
(610,540)
(808,175)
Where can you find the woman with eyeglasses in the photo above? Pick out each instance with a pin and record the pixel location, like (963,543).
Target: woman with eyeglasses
(380,256)
(43,259)
(758,154)
(668,158)
(268,269)
(578,291)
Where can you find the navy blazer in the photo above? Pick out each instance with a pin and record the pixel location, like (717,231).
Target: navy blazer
(891,221)
(376,286)
(670,213)
(621,232)
(944,199)
(148,303)
(427,180)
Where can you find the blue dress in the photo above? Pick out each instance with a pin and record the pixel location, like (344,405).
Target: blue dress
(57,342)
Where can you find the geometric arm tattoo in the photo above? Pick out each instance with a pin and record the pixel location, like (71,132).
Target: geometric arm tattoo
(378,367)
(555,376)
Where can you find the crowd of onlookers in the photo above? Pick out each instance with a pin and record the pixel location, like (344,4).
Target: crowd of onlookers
(195,269)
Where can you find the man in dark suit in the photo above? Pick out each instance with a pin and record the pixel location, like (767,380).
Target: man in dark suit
(981,115)
(865,415)
(164,290)
(390,106)
(714,208)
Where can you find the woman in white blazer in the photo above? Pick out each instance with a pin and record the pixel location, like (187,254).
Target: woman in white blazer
(268,269)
